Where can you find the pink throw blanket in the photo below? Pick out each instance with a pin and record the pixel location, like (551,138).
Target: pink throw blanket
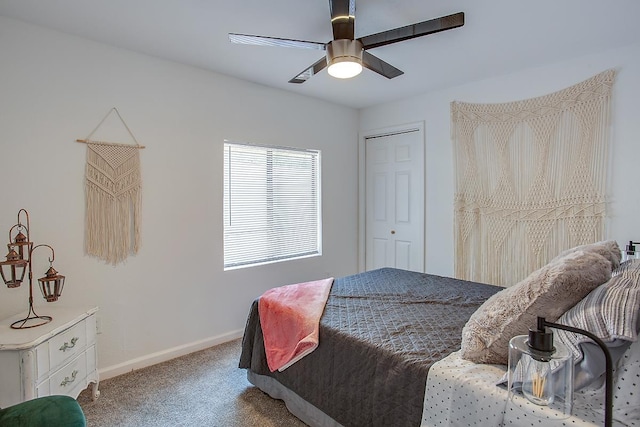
(290,320)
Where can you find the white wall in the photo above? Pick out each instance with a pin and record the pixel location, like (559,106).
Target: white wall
(55,88)
(174,296)
(434,109)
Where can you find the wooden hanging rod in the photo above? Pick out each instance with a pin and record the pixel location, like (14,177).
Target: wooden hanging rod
(88,141)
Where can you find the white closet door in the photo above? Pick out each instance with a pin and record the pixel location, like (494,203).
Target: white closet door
(394,201)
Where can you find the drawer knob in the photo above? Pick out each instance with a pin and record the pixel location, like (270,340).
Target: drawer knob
(68,380)
(66,345)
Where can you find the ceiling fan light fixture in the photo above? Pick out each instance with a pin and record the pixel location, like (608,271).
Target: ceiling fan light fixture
(344,58)
(345,69)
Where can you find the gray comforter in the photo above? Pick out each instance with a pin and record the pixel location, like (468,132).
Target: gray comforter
(380,333)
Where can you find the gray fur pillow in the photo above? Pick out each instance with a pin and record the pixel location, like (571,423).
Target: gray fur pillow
(547,292)
(607,248)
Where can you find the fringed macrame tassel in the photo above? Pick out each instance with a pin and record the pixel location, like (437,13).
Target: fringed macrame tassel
(530,179)
(113,202)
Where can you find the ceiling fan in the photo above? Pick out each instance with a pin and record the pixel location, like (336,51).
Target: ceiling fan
(346,55)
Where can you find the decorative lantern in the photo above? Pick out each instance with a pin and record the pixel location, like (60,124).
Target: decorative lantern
(21,242)
(18,262)
(13,269)
(51,284)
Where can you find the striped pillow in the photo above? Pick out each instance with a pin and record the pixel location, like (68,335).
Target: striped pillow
(610,312)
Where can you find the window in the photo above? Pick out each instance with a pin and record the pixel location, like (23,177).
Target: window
(271,204)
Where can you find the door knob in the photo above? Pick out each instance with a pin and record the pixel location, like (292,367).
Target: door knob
(393,231)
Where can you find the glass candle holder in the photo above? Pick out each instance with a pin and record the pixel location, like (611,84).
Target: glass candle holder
(541,373)
(631,252)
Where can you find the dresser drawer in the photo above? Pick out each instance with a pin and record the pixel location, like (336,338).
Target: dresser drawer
(67,345)
(69,376)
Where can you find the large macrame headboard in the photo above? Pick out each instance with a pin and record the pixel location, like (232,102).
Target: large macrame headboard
(530,179)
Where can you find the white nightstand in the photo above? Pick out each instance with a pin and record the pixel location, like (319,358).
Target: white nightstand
(57,358)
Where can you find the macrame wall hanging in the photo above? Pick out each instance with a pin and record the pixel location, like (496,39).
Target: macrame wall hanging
(530,179)
(113,197)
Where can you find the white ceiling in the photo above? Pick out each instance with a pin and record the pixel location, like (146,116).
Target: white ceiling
(499,37)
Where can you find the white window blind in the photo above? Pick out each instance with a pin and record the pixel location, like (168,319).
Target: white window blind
(271,204)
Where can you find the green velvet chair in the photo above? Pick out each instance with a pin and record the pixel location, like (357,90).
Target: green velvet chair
(49,411)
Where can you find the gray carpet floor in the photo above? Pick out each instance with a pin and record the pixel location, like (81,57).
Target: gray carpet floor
(205,388)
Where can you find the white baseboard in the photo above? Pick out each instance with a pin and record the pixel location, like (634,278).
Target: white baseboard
(168,354)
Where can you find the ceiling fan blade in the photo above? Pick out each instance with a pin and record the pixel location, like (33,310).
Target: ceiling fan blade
(343,18)
(412,31)
(274,41)
(311,71)
(379,66)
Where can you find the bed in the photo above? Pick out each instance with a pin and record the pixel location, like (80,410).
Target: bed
(384,332)
(380,333)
